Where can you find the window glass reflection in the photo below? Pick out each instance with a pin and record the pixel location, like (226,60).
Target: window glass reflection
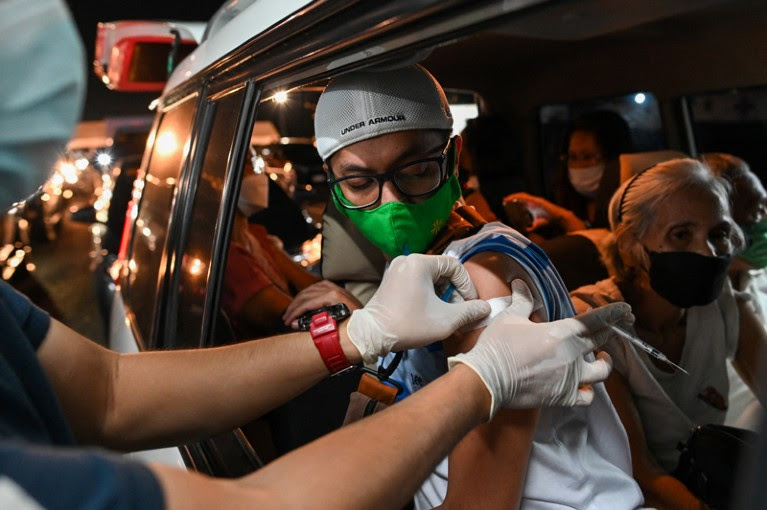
(159,189)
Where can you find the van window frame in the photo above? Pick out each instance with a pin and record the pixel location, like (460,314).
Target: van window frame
(219,256)
(162,274)
(164,328)
(224,213)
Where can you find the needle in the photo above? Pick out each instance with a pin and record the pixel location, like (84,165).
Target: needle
(649,349)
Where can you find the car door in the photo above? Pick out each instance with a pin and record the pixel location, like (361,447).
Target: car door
(197,255)
(192,315)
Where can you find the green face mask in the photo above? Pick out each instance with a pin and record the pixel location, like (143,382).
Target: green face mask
(399,228)
(756,253)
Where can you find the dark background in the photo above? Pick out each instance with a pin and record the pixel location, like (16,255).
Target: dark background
(102,102)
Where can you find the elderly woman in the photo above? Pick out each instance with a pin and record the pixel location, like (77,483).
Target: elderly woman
(671,243)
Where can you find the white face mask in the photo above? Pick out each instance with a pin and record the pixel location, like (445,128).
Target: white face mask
(254,194)
(41,92)
(586,180)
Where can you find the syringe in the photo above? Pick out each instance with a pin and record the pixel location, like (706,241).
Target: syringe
(649,349)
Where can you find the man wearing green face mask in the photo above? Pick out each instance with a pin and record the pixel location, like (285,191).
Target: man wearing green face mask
(384,136)
(392,171)
(748,271)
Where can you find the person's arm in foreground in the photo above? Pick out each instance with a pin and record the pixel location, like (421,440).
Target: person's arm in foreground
(487,468)
(135,401)
(359,466)
(364,466)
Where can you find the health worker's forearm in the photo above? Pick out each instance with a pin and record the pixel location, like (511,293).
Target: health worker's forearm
(379,462)
(150,399)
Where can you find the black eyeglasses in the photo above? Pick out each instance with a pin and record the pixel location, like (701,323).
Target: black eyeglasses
(414,179)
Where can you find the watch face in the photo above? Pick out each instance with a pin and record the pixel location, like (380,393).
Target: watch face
(338,311)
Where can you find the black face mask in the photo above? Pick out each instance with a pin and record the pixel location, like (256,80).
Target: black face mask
(687,279)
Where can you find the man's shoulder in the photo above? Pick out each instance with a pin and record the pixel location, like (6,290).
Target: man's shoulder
(488,234)
(490,246)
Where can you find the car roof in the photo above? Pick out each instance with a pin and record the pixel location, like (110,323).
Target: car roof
(599,48)
(254,19)
(696,47)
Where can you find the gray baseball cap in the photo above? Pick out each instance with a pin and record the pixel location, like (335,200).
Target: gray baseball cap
(365,104)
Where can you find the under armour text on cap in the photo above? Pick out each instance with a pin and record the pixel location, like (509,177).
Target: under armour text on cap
(365,104)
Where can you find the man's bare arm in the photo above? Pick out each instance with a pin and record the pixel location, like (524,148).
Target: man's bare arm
(363,465)
(487,468)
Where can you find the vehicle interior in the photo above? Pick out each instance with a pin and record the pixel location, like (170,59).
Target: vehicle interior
(686,75)
(670,72)
(558,59)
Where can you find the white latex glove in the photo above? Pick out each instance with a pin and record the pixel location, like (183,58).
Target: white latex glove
(405,312)
(526,365)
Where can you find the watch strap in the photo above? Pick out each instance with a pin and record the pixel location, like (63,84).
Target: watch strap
(324,331)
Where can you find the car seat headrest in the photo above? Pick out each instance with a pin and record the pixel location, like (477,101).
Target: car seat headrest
(633,163)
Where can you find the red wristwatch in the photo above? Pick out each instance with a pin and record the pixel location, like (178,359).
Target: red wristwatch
(324,332)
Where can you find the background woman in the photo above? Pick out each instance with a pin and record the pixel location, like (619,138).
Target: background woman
(671,243)
(586,179)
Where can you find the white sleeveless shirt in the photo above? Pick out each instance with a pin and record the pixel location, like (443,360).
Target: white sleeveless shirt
(670,403)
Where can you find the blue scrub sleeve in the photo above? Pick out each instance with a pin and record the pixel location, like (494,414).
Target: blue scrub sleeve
(66,478)
(33,321)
